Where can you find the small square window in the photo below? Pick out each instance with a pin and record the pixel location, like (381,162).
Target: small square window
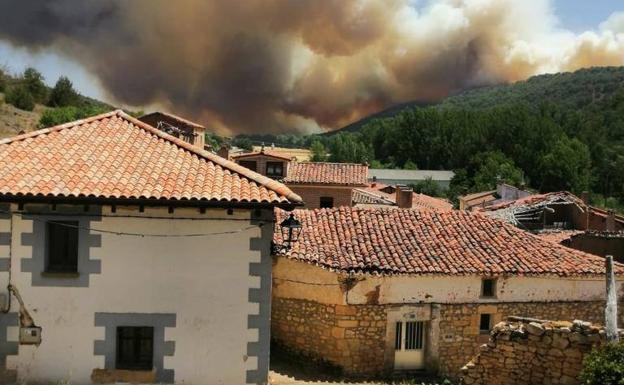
(326,202)
(135,348)
(250,164)
(274,169)
(62,247)
(485,323)
(488,288)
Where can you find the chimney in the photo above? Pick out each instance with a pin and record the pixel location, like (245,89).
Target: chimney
(610,226)
(585,197)
(404,197)
(224,151)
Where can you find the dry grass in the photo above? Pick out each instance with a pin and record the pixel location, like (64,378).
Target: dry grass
(13,120)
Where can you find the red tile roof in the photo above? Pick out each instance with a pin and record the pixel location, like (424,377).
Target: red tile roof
(558,236)
(116,156)
(390,241)
(348,174)
(421,201)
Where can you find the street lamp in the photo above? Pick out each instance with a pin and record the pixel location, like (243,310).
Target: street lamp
(291,229)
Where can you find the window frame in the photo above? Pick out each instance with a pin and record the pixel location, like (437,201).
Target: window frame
(273,164)
(136,339)
(493,293)
(489,328)
(58,232)
(321,205)
(249,162)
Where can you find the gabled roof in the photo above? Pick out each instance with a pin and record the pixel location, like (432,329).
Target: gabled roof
(427,242)
(365,197)
(115,156)
(346,174)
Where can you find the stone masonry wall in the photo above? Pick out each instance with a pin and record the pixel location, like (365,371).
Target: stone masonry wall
(460,337)
(350,337)
(533,353)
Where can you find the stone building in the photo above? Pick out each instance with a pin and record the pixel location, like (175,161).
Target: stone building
(373,290)
(140,258)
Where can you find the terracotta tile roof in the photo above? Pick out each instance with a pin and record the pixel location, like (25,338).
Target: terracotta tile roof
(348,174)
(390,241)
(419,200)
(558,236)
(365,197)
(116,156)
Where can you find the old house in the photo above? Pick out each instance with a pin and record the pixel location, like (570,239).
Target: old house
(377,290)
(319,184)
(132,256)
(190,132)
(503,193)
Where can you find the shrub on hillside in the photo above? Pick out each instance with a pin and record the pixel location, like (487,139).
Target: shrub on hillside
(33,81)
(63,94)
(604,366)
(56,116)
(20,98)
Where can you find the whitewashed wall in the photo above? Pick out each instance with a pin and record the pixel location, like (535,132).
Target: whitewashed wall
(299,280)
(204,281)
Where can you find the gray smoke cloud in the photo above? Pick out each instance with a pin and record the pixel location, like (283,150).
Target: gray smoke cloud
(282,65)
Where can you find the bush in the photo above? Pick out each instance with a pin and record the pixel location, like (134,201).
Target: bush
(56,116)
(33,81)
(604,366)
(20,98)
(63,94)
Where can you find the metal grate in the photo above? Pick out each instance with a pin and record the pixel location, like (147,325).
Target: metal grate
(398,336)
(413,335)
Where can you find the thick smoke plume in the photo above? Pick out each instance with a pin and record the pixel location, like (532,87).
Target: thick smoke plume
(285,65)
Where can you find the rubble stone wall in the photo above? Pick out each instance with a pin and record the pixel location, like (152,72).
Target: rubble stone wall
(351,337)
(535,352)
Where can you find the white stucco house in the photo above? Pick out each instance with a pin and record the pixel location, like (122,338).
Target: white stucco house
(141,258)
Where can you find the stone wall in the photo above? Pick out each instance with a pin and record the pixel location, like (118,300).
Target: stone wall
(350,337)
(354,337)
(533,353)
(460,337)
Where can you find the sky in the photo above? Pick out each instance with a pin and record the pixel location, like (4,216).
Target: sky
(300,65)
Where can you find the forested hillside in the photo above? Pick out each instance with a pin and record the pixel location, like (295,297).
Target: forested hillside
(27,103)
(550,132)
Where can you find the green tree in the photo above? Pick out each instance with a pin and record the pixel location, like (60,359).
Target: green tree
(60,115)
(410,165)
(63,94)
(33,81)
(19,96)
(319,153)
(566,167)
(493,167)
(604,366)
(4,79)
(428,187)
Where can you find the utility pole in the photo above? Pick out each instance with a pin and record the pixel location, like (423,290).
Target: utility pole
(611,309)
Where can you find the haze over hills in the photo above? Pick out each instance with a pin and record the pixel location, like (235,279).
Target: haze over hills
(567,89)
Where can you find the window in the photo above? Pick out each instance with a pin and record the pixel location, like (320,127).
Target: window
(327,202)
(250,164)
(485,323)
(274,169)
(488,288)
(135,347)
(413,338)
(62,247)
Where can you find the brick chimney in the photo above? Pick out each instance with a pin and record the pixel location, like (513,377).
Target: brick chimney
(224,151)
(610,225)
(404,197)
